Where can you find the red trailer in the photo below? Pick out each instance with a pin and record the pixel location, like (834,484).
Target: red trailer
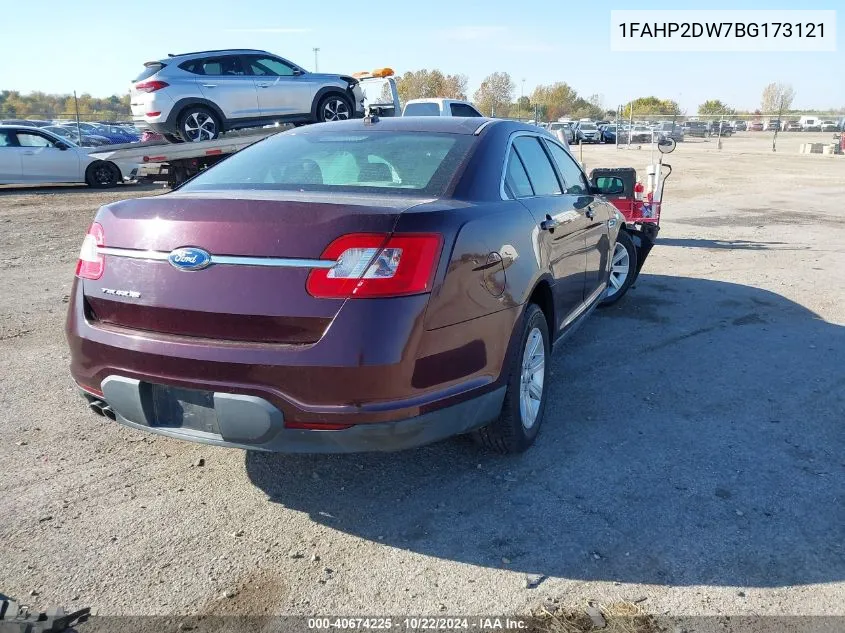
(640,205)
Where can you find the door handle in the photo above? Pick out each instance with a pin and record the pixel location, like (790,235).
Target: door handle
(263,85)
(549,224)
(29,153)
(209,85)
(590,213)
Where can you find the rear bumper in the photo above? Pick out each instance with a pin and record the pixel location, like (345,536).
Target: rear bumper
(252,423)
(375,370)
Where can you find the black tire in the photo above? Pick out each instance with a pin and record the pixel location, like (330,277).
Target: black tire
(197,123)
(508,433)
(334,107)
(173,138)
(102,175)
(624,239)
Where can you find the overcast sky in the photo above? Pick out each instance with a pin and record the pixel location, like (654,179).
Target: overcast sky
(82,46)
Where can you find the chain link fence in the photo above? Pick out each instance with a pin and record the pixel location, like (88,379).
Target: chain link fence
(88,129)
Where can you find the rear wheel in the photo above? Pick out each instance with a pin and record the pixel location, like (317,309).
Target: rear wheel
(102,175)
(334,107)
(198,124)
(525,401)
(623,268)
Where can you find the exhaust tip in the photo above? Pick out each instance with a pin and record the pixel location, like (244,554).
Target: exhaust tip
(96,406)
(107,411)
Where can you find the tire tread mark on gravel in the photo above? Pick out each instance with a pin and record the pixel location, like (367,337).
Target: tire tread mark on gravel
(678,339)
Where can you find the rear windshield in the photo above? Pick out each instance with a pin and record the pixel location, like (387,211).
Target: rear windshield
(588,126)
(422,109)
(149,70)
(389,162)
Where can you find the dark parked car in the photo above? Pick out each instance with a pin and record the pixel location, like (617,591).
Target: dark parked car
(695,128)
(726,128)
(608,132)
(345,286)
(740,126)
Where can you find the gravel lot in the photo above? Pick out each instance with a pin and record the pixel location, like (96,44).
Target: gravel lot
(693,454)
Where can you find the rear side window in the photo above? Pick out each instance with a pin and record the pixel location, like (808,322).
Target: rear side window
(573,177)
(150,69)
(6,139)
(462,109)
(422,109)
(516,178)
(216,66)
(389,162)
(537,164)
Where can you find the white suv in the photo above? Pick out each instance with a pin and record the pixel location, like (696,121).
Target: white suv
(196,96)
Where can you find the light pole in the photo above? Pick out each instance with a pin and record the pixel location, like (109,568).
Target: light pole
(316,66)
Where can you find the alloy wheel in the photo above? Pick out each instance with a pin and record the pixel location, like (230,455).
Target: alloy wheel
(200,126)
(532,377)
(335,110)
(103,175)
(619,269)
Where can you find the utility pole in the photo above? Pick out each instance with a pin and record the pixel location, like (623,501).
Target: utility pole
(775,137)
(76,107)
(316,65)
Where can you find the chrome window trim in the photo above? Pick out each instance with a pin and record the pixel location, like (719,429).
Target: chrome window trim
(226,260)
(574,160)
(515,135)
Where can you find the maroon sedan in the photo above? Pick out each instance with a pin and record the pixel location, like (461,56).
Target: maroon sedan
(353,286)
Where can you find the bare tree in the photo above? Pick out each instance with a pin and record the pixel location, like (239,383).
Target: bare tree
(777,96)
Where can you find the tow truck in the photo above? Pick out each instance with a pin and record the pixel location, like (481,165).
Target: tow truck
(181,161)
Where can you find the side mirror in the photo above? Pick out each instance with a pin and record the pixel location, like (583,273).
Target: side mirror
(62,145)
(297,72)
(666,145)
(609,186)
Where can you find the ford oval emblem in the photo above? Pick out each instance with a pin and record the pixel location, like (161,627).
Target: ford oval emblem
(189,258)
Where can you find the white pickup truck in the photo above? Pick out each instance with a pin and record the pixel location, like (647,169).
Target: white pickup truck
(439,107)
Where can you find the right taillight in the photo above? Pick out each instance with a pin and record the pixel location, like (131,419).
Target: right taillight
(377,265)
(151,86)
(91,262)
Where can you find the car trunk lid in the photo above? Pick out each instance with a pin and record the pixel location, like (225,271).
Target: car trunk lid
(266,243)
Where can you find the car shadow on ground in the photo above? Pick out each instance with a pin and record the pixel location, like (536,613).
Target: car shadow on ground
(694,435)
(729,244)
(131,187)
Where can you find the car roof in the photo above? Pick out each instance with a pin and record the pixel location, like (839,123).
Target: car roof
(222,51)
(448,125)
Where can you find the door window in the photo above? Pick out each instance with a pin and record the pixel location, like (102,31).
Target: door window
(219,66)
(269,67)
(537,165)
(28,139)
(6,139)
(573,177)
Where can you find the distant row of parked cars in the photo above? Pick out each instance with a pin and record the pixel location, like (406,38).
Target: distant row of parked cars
(93,134)
(588,131)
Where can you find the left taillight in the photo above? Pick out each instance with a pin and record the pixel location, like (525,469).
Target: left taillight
(91,262)
(151,86)
(377,265)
